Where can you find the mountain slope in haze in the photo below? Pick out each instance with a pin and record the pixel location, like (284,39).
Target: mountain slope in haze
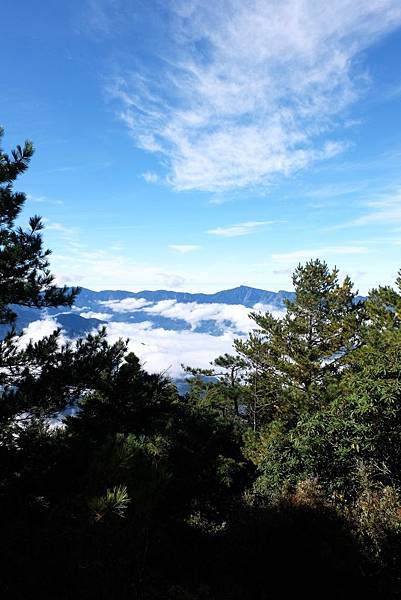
(165,328)
(212,314)
(94,309)
(244,295)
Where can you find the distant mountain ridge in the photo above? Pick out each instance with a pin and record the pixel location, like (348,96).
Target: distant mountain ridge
(245,295)
(94,309)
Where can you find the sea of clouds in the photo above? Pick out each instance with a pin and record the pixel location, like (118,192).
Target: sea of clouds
(161,349)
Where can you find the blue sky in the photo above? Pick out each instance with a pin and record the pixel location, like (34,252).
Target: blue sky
(202,145)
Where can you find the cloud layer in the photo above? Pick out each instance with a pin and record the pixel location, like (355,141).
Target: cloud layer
(251,90)
(239,229)
(231,317)
(161,349)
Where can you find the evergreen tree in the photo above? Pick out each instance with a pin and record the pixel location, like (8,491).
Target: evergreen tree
(220,386)
(25,278)
(361,425)
(293,360)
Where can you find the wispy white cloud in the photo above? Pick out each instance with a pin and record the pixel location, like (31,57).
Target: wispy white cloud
(106,19)
(125,305)
(91,314)
(43,200)
(69,234)
(171,280)
(337,189)
(394,92)
(184,248)
(107,269)
(57,227)
(150,177)
(385,210)
(253,89)
(302,255)
(239,229)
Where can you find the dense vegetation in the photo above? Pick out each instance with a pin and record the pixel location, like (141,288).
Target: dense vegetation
(278,476)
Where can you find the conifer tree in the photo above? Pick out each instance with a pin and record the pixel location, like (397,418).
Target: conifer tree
(360,430)
(220,385)
(25,278)
(297,357)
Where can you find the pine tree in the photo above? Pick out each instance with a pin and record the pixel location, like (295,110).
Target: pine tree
(294,359)
(360,430)
(218,386)
(25,278)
